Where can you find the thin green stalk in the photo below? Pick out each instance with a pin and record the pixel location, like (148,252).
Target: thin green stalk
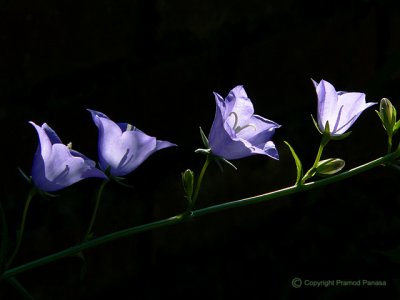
(19,287)
(319,154)
(96,208)
(200,179)
(91,244)
(199,212)
(311,172)
(20,233)
(389,143)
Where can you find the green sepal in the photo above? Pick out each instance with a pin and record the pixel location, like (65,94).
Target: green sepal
(329,166)
(117,179)
(203,151)
(220,159)
(26,177)
(41,192)
(380,117)
(120,180)
(340,137)
(326,133)
(396,127)
(204,138)
(316,124)
(299,166)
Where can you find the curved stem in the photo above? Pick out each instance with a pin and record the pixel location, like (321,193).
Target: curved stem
(198,213)
(200,179)
(96,208)
(22,228)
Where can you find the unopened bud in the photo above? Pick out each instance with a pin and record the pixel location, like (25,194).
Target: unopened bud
(188,183)
(330,166)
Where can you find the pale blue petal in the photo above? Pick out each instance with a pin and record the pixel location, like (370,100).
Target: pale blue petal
(327,104)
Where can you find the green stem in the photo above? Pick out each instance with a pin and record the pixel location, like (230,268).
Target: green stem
(21,230)
(319,154)
(199,180)
(96,208)
(199,212)
(311,172)
(389,143)
(19,287)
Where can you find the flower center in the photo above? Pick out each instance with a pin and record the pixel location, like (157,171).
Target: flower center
(69,146)
(238,128)
(129,127)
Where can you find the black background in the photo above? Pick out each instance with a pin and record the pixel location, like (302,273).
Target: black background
(155,65)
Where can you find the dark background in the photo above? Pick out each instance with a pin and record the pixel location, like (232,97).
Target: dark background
(155,64)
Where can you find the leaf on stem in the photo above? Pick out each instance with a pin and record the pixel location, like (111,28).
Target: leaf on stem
(299,166)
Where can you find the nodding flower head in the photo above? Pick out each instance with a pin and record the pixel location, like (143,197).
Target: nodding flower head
(122,147)
(237,132)
(56,166)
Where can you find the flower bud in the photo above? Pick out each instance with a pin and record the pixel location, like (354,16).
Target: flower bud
(329,166)
(188,183)
(387,114)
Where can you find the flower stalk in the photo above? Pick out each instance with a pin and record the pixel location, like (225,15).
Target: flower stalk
(89,233)
(200,180)
(20,232)
(201,212)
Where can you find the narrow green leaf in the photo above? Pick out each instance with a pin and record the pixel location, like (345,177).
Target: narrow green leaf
(299,166)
